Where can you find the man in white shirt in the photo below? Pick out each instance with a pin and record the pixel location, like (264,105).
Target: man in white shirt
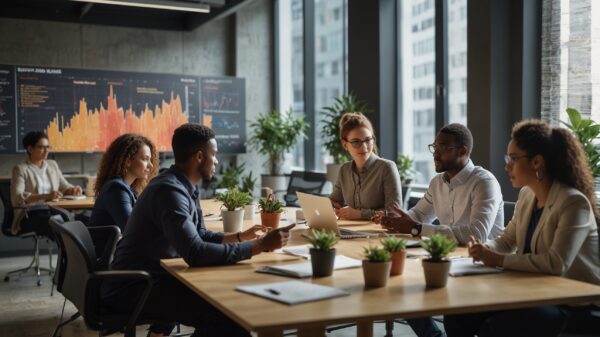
(466,199)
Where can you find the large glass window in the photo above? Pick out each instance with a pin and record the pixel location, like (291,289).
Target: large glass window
(457,61)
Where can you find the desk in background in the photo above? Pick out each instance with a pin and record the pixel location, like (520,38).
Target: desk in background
(87,203)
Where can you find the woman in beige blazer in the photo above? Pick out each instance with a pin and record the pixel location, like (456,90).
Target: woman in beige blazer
(553,230)
(35,180)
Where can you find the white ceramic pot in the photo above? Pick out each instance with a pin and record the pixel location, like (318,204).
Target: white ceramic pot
(233,221)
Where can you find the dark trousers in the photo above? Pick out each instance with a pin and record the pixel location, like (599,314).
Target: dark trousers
(37,221)
(542,321)
(425,327)
(172,301)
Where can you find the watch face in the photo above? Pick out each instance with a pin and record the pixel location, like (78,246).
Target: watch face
(414,231)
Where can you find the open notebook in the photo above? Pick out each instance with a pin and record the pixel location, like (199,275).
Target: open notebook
(292,292)
(465,266)
(304,269)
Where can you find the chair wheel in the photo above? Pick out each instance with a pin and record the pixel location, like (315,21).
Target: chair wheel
(6,278)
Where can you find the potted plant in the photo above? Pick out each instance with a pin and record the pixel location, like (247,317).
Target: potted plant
(322,254)
(404,164)
(270,211)
(231,176)
(588,133)
(273,134)
(376,266)
(247,184)
(436,267)
(234,201)
(397,248)
(331,130)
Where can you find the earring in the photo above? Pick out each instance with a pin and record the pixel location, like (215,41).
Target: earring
(537,175)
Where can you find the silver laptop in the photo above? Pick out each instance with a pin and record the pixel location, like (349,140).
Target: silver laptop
(319,214)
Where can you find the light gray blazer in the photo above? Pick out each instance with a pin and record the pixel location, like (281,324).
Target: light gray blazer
(565,241)
(24,183)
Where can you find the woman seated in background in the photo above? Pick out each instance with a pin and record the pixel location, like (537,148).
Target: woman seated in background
(125,168)
(367,183)
(553,230)
(37,179)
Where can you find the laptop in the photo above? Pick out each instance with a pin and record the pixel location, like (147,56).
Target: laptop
(319,214)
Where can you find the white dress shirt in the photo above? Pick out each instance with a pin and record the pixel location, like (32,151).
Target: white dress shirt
(469,204)
(41,173)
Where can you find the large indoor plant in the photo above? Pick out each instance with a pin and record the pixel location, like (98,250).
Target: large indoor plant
(270,211)
(376,266)
(272,135)
(437,266)
(233,215)
(331,130)
(322,253)
(397,248)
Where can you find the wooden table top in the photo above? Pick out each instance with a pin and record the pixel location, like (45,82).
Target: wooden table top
(87,203)
(404,296)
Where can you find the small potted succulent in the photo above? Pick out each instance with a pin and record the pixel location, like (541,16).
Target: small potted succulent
(397,248)
(322,254)
(437,266)
(234,201)
(270,211)
(376,266)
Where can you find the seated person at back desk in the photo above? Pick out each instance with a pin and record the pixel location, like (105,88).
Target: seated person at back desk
(167,222)
(37,179)
(367,183)
(466,199)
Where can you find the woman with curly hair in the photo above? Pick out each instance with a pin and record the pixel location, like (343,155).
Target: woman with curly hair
(126,167)
(553,230)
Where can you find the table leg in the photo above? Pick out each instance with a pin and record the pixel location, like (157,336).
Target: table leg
(312,332)
(364,329)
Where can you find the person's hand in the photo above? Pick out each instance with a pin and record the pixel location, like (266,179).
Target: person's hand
(348,213)
(377,217)
(401,222)
(274,239)
(54,195)
(336,205)
(250,233)
(75,190)
(480,252)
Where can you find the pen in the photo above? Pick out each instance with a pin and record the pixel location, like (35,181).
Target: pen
(273,291)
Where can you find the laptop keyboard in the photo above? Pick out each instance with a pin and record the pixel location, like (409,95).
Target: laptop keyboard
(348,234)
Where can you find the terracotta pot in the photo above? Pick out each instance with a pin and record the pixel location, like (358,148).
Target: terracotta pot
(398,262)
(270,219)
(322,262)
(233,221)
(376,273)
(436,273)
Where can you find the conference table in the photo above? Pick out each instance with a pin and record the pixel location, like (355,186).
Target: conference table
(404,296)
(73,204)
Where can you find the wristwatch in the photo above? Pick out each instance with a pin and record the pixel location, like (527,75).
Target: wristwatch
(416,230)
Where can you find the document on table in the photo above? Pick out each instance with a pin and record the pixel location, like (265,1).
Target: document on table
(292,292)
(465,266)
(300,250)
(73,197)
(304,269)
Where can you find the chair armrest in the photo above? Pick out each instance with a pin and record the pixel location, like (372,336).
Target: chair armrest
(112,235)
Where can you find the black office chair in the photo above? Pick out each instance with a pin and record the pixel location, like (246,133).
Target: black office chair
(304,181)
(82,280)
(509,210)
(43,213)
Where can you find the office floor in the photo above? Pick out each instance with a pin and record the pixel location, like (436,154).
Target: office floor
(27,310)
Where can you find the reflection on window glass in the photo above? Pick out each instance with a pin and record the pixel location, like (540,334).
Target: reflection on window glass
(291,64)
(330,56)
(457,61)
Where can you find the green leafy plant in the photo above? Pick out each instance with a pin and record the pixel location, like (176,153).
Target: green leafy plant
(322,239)
(248,183)
(231,176)
(404,164)
(588,133)
(331,124)
(270,204)
(274,133)
(234,199)
(438,246)
(393,244)
(377,254)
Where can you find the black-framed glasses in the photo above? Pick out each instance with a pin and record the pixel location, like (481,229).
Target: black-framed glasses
(508,159)
(440,148)
(357,143)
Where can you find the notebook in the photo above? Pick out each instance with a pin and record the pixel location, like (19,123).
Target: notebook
(304,269)
(74,197)
(292,292)
(465,266)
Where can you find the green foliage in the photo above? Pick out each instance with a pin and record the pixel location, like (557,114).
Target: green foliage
(231,176)
(248,183)
(438,246)
(588,133)
(234,199)
(270,204)
(393,244)
(404,164)
(275,133)
(377,254)
(322,239)
(331,124)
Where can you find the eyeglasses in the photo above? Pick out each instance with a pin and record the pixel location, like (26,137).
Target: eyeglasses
(43,147)
(511,160)
(440,148)
(357,143)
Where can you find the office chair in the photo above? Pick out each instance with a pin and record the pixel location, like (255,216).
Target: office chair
(42,213)
(82,280)
(509,210)
(303,181)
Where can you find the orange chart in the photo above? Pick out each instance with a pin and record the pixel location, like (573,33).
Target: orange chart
(94,130)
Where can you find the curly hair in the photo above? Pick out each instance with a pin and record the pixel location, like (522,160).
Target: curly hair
(354,120)
(112,164)
(31,139)
(563,153)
